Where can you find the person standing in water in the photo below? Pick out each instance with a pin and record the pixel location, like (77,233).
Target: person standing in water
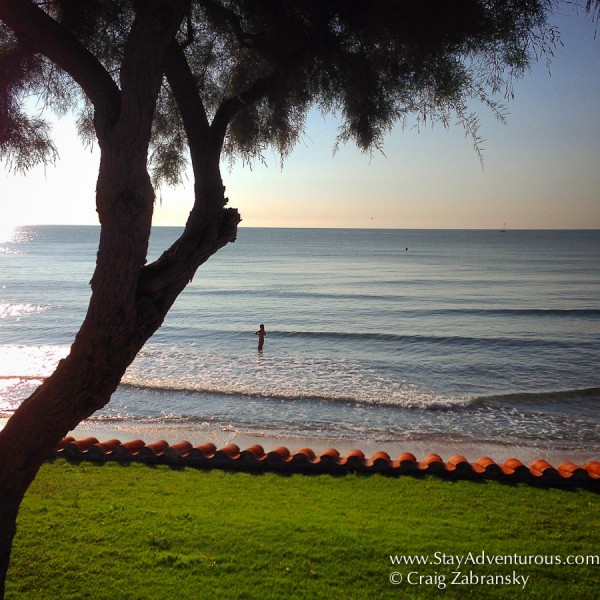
(261,333)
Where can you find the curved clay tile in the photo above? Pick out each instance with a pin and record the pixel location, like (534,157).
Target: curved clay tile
(459,465)
(432,463)
(406,463)
(66,440)
(486,465)
(279,455)
(303,460)
(356,455)
(330,454)
(543,469)
(230,451)
(406,457)
(568,470)
(380,456)
(206,450)
(102,450)
(108,446)
(132,447)
(83,445)
(354,461)
(154,449)
(310,455)
(455,461)
(256,452)
(593,469)
(381,462)
(179,449)
(513,467)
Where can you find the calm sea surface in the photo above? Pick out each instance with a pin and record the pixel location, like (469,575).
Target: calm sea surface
(374,337)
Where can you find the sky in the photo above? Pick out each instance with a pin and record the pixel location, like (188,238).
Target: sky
(541,170)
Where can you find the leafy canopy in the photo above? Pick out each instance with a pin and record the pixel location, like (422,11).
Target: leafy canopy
(260,65)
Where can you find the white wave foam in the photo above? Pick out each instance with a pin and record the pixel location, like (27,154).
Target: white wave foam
(20,310)
(287,377)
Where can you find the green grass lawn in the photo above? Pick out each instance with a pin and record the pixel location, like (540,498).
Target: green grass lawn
(110,531)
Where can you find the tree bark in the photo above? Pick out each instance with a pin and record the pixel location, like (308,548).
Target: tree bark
(121,316)
(129,303)
(129,299)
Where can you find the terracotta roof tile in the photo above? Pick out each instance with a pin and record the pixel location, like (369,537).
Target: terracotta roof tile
(108,446)
(356,455)
(459,466)
(256,452)
(515,469)
(128,450)
(310,455)
(593,469)
(305,460)
(407,463)
(489,467)
(542,468)
(83,445)
(432,463)
(354,461)
(569,470)
(154,449)
(406,457)
(380,462)
(64,442)
(207,450)
(278,455)
(228,452)
(330,454)
(182,448)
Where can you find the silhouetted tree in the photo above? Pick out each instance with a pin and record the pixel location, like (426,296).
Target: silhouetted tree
(160,83)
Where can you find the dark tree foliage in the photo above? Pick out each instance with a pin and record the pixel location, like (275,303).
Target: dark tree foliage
(260,66)
(166,85)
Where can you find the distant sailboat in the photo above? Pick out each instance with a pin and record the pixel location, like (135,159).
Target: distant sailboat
(503,230)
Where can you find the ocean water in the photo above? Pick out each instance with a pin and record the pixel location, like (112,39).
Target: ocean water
(395,339)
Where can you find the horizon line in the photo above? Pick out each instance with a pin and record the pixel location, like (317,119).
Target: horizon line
(499,229)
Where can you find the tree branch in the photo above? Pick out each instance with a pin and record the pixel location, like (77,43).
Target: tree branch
(155,25)
(231,106)
(37,30)
(189,102)
(210,226)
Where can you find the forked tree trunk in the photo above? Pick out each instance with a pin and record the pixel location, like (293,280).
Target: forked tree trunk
(105,345)
(128,304)
(129,298)
(121,316)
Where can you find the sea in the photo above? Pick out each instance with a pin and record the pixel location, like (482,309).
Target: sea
(461,341)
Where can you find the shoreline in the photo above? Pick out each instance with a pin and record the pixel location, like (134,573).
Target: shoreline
(472,450)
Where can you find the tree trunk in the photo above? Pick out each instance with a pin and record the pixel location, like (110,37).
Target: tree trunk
(129,299)
(105,345)
(121,316)
(128,304)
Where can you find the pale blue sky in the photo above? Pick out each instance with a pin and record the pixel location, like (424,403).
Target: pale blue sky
(542,170)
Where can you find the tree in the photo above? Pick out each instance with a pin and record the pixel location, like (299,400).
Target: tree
(158,83)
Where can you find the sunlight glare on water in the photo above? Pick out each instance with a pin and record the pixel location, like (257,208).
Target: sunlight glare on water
(7,232)
(29,361)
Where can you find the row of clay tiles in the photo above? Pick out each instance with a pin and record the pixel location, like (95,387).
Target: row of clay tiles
(255,459)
